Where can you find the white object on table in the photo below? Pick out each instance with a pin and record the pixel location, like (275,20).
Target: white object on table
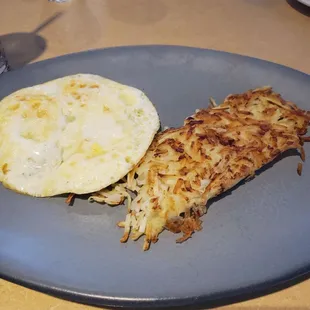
(305,2)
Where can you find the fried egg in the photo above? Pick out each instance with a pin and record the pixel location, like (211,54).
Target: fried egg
(76,134)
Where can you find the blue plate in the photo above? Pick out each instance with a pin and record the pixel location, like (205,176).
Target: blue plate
(254,237)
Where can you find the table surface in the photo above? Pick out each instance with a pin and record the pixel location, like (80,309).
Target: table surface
(274,30)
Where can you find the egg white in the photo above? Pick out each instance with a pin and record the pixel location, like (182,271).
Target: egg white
(76,134)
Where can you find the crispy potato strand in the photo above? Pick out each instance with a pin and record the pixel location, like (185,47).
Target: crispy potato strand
(299,168)
(70,199)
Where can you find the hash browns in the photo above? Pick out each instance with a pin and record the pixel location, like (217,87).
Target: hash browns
(214,150)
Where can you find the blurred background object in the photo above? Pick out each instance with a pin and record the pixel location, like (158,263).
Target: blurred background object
(4,66)
(302,6)
(305,2)
(20,48)
(77,32)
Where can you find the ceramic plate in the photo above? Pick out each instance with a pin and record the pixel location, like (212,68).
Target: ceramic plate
(254,237)
(305,2)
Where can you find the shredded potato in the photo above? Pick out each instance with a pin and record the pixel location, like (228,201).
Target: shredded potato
(214,150)
(115,196)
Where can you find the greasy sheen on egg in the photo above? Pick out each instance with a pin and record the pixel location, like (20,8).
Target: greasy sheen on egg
(76,134)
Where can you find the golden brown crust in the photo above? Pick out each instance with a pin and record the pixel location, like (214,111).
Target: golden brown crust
(214,150)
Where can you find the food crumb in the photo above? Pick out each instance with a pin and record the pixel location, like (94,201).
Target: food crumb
(299,168)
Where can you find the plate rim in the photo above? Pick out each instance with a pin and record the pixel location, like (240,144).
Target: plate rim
(305,2)
(215,300)
(148,46)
